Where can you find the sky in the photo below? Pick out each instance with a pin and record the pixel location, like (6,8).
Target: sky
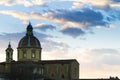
(86,30)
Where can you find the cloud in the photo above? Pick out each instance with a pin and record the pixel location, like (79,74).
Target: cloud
(104,51)
(96,4)
(91,3)
(57,53)
(105,56)
(7,2)
(86,16)
(108,56)
(83,19)
(38,2)
(44,27)
(74,32)
(116,0)
(73,18)
(11,36)
(78,5)
(50,45)
(26,3)
(15,14)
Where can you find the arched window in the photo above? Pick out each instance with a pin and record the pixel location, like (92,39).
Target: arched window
(8,54)
(24,54)
(33,54)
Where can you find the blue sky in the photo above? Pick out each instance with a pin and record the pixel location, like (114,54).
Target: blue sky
(87,30)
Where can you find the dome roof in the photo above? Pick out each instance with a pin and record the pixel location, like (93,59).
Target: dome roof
(29,40)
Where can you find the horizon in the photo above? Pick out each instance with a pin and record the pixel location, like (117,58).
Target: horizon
(85,30)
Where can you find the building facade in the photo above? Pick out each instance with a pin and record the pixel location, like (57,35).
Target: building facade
(30,66)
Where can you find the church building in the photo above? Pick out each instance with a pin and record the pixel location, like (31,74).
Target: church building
(29,65)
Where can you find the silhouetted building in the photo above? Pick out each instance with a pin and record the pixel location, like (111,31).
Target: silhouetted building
(30,66)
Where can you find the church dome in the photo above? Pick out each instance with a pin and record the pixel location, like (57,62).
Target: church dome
(29,40)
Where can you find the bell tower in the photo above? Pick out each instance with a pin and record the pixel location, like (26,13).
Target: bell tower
(9,53)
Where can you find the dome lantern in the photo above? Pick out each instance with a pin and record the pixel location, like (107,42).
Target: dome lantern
(29,29)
